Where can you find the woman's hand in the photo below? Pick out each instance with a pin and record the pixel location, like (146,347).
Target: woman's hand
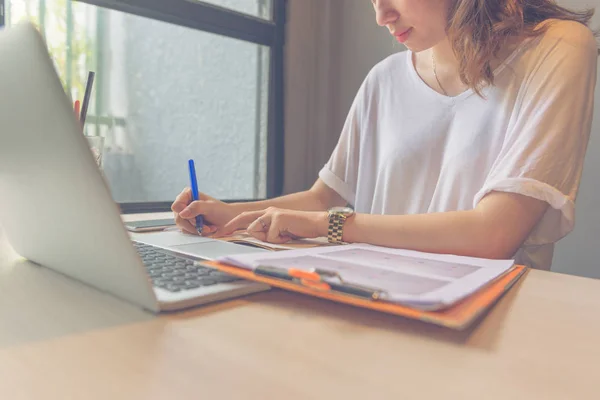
(275,225)
(216,213)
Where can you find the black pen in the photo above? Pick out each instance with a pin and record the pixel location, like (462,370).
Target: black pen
(297,276)
(86,97)
(273,272)
(355,291)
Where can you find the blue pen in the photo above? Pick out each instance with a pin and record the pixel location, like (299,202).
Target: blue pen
(195,195)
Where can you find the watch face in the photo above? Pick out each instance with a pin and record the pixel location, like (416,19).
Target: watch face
(341,210)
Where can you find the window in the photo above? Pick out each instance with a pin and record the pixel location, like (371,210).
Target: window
(257,8)
(173,81)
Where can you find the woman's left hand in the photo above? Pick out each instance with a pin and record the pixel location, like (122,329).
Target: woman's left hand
(275,225)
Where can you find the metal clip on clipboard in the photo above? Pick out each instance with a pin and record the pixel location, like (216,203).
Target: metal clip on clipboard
(319,279)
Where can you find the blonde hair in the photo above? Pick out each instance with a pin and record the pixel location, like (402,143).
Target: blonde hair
(478,29)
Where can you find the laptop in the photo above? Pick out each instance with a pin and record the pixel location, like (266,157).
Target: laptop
(56,208)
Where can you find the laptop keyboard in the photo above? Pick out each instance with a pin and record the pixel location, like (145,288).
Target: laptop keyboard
(175,274)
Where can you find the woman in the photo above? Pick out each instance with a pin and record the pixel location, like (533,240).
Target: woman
(470,143)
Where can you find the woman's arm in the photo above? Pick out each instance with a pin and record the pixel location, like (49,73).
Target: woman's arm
(496,228)
(319,197)
(217,213)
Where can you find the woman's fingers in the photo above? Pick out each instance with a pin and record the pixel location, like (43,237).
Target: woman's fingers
(189,226)
(259,228)
(270,228)
(182,201)
(185,225)
(242,221)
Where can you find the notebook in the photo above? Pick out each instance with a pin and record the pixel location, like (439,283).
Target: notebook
(244,238)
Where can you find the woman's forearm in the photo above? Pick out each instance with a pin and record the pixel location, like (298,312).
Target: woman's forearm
(460,233)
(301,201)
(496,228)
(318,198)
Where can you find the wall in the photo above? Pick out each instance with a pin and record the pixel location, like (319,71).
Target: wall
(331,46)
(342,35)
(363,44)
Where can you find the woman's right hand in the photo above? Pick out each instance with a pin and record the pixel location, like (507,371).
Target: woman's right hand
(216,213)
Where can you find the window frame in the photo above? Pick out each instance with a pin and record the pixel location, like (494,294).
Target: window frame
(233,24)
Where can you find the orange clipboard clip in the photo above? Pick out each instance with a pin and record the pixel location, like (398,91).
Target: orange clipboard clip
(315,279)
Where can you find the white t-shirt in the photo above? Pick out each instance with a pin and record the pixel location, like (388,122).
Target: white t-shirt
(406,149)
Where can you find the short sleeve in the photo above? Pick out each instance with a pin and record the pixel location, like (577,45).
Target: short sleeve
(544,149)
(341,171)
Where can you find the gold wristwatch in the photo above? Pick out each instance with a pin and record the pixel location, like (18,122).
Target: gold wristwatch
(337,218)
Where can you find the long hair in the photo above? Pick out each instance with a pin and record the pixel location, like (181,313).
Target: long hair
(478,29)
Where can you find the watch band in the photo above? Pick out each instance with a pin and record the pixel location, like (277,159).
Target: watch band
(335,229)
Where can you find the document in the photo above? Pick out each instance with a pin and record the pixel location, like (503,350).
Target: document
(421,280)
(242,237)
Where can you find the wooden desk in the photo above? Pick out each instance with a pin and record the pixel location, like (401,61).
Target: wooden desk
(62,340)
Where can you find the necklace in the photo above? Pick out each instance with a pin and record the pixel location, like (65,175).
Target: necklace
(436,76)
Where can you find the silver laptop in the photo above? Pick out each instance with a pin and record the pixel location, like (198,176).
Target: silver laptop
(56,208)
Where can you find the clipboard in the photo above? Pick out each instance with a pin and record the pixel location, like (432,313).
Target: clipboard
(458,316)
